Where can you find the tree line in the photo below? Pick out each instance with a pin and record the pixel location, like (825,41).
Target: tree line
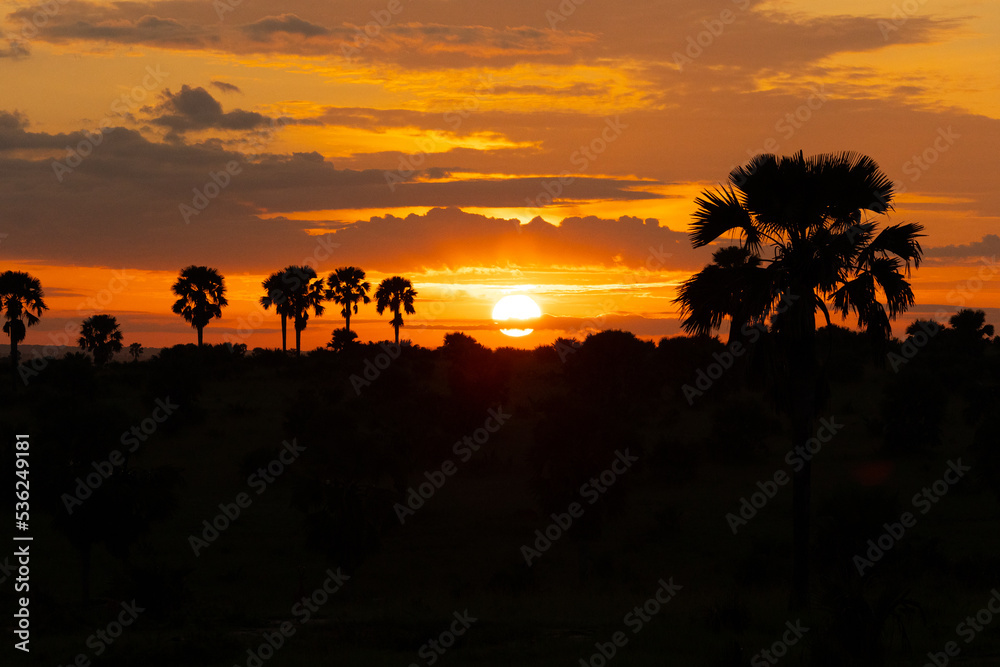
(201,295)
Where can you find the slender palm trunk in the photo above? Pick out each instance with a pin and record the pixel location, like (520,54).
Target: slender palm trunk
(347,318)
(802,366)
(298,340)
(397,334)
(284,333)
(13,362)
(200,335)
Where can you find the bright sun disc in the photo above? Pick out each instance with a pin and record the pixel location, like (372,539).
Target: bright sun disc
(516,307)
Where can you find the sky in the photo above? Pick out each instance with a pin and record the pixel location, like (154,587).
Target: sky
(480,149)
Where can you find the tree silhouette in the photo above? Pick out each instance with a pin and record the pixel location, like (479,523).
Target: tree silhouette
(396,294)
(202,293)
(136,350)
(101,336)
(727,282)
(970,326)
(304,291)
(347,287)
(276,294)
(806,220)
(342,339)
(22,303)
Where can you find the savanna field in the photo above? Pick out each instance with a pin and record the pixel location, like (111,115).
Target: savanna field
(415,496)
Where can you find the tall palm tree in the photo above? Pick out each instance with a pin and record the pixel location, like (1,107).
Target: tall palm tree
(347,287)
(396,294)
(101,335)
(21,302)
(304,291)
(202,295)
(276,294)
(807,222)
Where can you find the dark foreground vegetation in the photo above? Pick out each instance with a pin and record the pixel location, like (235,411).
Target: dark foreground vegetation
(133,463)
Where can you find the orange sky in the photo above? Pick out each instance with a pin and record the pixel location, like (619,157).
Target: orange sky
(430,142)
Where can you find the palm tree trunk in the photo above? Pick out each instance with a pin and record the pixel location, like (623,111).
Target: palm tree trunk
(200,337)
(347,318)
(284,333)
(802,366)
(801,493)
(298,340)
(13,362)
(397,334)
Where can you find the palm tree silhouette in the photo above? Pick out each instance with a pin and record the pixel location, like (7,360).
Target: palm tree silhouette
(347,287)
(22,302)
(734,273)
(971,326)
(805,219)
(276,295)
(396,294)
(101,336)
(202,293)
(304,291)
(136,350)
(342,339)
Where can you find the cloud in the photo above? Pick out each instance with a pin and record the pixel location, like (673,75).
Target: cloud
(226,87)
(17,49)
(291,24)
(146,29)
(452,238)
(12,121)
(73,220)
(988,246)
(196,109)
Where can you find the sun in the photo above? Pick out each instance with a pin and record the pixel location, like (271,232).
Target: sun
(516,307)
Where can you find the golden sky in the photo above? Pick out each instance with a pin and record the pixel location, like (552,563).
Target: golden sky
(478,148)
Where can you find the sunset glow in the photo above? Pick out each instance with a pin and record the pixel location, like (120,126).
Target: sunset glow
(470,151)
